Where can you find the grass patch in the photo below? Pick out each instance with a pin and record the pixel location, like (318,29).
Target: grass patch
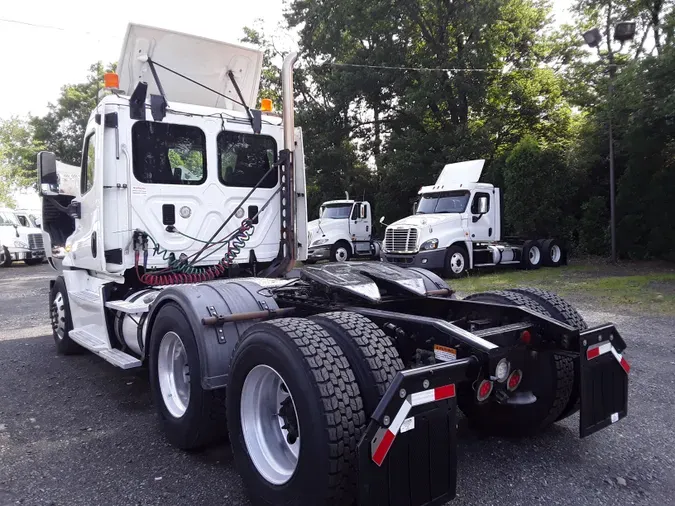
(634,288)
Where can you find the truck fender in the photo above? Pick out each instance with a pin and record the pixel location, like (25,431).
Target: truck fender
(215,343)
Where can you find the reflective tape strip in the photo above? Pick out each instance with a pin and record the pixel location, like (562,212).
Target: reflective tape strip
(622,361)
(416,399)
(597,350)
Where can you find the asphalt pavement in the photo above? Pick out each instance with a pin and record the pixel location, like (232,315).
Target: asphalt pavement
(75,431)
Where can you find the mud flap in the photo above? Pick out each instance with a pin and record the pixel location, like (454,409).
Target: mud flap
(408,455)
(604,379)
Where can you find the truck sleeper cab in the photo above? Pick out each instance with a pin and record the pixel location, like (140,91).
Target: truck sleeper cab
(457,226)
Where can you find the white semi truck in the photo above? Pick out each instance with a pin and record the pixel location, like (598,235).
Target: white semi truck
(457,226)
(19,242)
(337,387)
(344,230)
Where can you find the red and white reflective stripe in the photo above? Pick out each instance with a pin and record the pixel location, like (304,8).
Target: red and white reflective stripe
(600,349)
(387,436)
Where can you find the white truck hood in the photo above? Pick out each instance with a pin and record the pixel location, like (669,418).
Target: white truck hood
(426,221)
(319,228)
(8,234)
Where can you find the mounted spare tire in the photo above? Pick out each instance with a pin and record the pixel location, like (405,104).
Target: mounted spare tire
(295,415)
(550,377)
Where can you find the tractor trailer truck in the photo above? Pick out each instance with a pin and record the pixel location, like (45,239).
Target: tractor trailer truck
(457,226)
(338,387)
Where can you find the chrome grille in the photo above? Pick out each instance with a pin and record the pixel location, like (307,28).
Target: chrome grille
(35,242)
(401,240)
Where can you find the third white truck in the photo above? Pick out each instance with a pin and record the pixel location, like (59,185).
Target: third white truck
(457,226)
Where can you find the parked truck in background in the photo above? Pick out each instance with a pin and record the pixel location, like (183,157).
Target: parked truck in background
(337,387)
(457,226)
(19,242)
(344,230)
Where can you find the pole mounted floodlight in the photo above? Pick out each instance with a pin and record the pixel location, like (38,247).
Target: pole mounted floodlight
(593,37)
(624,31)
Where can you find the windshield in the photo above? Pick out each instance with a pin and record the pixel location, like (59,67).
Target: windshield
(447,202)
(7,218)
(336,211)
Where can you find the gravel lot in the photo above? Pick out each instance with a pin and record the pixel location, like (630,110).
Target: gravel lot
(76,431)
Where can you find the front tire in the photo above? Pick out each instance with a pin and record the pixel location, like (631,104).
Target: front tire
(191,417)
(456,262)
(62,323)
(340,252)
(5,257)
(293,358)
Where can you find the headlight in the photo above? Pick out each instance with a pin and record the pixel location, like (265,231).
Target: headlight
(319,242)
(20,244)
(430,244)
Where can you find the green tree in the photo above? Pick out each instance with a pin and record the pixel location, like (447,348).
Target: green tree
(18,153)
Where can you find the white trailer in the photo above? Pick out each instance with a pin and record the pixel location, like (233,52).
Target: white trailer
(344,230)
(457,226)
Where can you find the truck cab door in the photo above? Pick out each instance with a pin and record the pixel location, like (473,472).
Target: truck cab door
(86,243)
(481,224)
(360,227)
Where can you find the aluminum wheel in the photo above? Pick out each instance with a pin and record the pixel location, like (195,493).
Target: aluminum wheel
(535,255)
(457,263)
(174,374)
(341,254)
(269,424)
(556,253)
(58,315)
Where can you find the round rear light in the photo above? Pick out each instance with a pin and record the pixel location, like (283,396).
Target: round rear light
(514,380)
(502,370)
(484,390)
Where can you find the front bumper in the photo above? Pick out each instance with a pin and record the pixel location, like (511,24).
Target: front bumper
(26,254)
(319,253)
(431,259)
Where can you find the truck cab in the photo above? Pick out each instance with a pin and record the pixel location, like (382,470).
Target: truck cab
(343,230)
(457,226)
(19,242)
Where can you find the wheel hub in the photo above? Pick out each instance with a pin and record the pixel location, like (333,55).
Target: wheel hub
(174,374)
(269,424)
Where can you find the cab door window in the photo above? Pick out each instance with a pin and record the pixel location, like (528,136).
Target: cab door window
(88,164)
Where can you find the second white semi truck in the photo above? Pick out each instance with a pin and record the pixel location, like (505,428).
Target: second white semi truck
(457,226)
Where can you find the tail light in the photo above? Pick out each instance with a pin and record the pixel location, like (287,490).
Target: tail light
(484,390)
(514,380)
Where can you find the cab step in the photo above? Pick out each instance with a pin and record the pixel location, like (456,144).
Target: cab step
(124,306)
(99,345)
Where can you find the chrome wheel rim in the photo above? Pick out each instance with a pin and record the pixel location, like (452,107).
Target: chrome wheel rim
(267,407)
(174,374)
(59,316)
(556,253)
(341,254)
(535,255)
(457,263)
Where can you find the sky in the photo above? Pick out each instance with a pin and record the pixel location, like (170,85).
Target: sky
(46,44)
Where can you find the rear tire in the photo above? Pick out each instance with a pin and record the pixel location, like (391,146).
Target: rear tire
(531,255)
(370,353)
(562,311)
(191,417)
(340,252)
(552,253)
(33,261)
(328,411)
(62,323)
(550,377)
(456,262)
(5,258)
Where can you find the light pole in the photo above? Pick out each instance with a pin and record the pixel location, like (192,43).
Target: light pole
(623,32)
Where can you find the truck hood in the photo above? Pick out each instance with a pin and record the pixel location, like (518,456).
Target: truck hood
(428,220)
(327,228)
(8,234)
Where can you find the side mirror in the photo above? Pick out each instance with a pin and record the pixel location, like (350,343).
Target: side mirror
(414,206)
(362,211)
(482,205)
(48,182)
(382,220)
